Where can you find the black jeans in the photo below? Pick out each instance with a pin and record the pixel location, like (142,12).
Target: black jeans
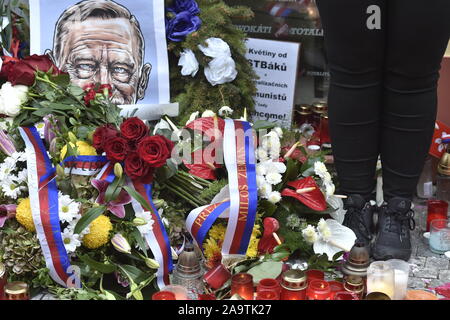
(383,96)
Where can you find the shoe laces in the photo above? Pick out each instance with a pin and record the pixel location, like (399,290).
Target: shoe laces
(354,215)
(402,219)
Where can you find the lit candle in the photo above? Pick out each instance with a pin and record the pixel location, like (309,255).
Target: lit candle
(217,276)
(164,295)
(267,295)
(401,274)
(180,292)
(318,290)
(242,284)
(335,287)
(380,278)
(314,274)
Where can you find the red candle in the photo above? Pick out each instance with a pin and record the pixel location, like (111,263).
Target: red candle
(314,274)
(267,295)
(437,209)
(164,295)
(345,295)
(217,276)
(206,297)
(293,285)
(335,287)
(325,139)
(318,290)
(242,284)
(269,285)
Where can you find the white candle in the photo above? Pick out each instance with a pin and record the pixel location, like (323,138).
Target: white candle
(380,278)
(401,284)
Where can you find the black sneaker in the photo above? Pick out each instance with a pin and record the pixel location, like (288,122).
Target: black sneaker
(395,220)
(359,218)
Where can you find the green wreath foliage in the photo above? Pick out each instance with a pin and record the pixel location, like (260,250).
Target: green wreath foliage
(196,93)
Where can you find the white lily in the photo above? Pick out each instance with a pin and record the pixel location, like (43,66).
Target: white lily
(333,238)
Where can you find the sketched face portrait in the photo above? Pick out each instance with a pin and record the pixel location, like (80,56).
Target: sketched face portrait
(100,41)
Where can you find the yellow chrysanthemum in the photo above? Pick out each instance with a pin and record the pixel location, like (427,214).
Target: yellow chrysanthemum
(252,250)
(98,234)
(24,215)
(212,249)
(217,232)
(83,148)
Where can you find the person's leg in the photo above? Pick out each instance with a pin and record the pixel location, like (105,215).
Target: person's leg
(418,33)
(355,56)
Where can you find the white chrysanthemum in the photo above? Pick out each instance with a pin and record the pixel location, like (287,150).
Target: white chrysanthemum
(265,190)
(22,176)
(260,180)
(68,208)
(11,187)
(274,197)
(261,169)
(274,166)
(262,154)
(208,114)
(225,111)
(274,178)
(279,132)
(309,234)
(71,241)
(18,157)
(324,230)
(41,129)
(148,227)
(329,189)
(193,116)
(321,170)
(6,169)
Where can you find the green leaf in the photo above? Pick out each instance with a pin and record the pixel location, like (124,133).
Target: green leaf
(90,216)
(114,189)
(267,207)
(140,240)
(262,124)
(101,267)
(133,193)
(269,269)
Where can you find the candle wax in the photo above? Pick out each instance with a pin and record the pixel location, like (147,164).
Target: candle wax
(401,284)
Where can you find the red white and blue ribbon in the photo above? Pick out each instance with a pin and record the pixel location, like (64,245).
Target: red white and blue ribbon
(44,207)
(241,207)
(157,239)
(84,165)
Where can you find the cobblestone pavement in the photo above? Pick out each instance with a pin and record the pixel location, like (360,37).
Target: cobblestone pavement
(428,269)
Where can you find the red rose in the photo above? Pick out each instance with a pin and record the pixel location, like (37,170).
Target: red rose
(7,69)
(24,70)
(102,134)
(90,95)
(137,169)
(134,129)
(116,149)
(155,150)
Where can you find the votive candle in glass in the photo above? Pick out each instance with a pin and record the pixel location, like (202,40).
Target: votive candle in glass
(440,236)
(164,295)
(354,285)
(345,295)
(335,287)
(180,292)
(217,276)
(293,285)
(380,278)
(242,285)
(268,284)
(314,274)
(267,295)
(401,274)
(437,209)
(318,290)
(16,291)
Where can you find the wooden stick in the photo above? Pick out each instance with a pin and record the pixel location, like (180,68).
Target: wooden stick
(277,239)
(305,190)
(340,196)
(209,164)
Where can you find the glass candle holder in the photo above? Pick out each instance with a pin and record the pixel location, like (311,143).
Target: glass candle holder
(437,209)
(335,287)
(180,292)
(355,285)
(401,274)
(16,291)
(325,138)
(345,295)
(380,278)
(293,285)
(267,295)
(268,285)
(314,274)
(242,285)
(318,290)
(216,277)
(440,236)
(205,296)
(164,295)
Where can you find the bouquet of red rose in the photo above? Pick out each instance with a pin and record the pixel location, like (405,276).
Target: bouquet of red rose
(133,146)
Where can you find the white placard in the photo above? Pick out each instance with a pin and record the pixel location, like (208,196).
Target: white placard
(276,63)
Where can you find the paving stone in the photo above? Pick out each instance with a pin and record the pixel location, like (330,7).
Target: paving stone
(444,275)
(416,283)
(428,273)
(437,263)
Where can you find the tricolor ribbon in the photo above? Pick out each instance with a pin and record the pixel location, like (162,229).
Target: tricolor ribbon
(84,165)
(241,166)
(44,207)
(157,239)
